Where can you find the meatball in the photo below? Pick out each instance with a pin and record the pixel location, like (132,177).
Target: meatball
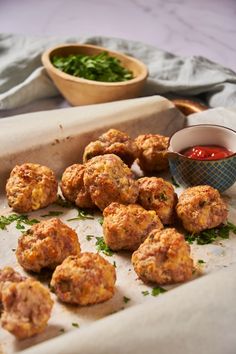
(108,179)
(47,244)
(84,279)
(9,275)
(113,142)
(163,258)
(201,208)
(159,195)
(127,226)
(27,307)
(152,152)
(31,187)
(72,186)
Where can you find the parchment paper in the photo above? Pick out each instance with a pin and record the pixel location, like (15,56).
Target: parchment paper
(144,323)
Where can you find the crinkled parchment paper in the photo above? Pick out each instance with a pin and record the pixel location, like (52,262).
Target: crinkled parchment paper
(56,139)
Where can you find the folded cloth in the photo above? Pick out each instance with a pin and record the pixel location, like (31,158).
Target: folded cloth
(23,79)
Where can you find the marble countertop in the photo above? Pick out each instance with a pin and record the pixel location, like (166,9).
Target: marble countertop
(184,27)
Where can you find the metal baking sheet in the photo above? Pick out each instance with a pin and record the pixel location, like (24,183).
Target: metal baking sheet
(57,139)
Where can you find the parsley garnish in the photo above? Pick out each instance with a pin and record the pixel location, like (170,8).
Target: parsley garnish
(100,220)
(21,221)
(101,246)
(209,236)
(162,197)
(114,264)
(174,182)
(126,299)
(52,213)
(201,261)
(82,215)
(145,292)
(100,67)
(89,237)
(74,324)
(63,203)
(158,290)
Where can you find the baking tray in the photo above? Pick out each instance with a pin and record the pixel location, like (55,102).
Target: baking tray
(57,139)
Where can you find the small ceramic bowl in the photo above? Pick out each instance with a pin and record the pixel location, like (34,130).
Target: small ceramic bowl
(78,91)
(220,174)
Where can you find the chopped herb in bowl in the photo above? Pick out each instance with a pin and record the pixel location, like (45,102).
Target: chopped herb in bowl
(101,67)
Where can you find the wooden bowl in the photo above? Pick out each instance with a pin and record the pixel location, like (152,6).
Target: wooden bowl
(78,91)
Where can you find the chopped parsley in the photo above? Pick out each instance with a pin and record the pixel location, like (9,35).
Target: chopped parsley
(21,221)
(162,197)
(126,299)
(210,236)
(158,290)
(52,213)
(201,261)
(101,246)
(100,220)
(114,264)
(82,215)
(145,292)
(63,203)
(74,324)
(89,237)
(100,67)
(174,182)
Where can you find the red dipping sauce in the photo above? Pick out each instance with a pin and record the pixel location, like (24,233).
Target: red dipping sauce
(206,152)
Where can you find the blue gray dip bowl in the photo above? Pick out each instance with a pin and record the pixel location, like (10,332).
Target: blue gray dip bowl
(220,174)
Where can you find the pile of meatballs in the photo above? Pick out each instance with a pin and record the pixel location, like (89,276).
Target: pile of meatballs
(139,214)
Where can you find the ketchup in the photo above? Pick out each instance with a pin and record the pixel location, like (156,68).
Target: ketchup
(206,152)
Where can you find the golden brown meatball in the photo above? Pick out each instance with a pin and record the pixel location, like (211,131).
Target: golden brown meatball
(84,279)
(72,186)
(127,226)
(152,152)
(31,187)
(163,258)
(47,244)
(201,208)
(27,307)
(108,179)
(159,195)
(113,142)
(9,275)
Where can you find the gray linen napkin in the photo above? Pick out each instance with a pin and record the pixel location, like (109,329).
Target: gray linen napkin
(23,79)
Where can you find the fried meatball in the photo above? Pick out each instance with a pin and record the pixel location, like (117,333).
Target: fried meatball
(9,275)
(163,258)
(84,279)
(72,186)
(127,226)
(47,244)
(201,208)
(108,179)
(31,187)
(159,195)
(152,152)
(112,142)
(27,307)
